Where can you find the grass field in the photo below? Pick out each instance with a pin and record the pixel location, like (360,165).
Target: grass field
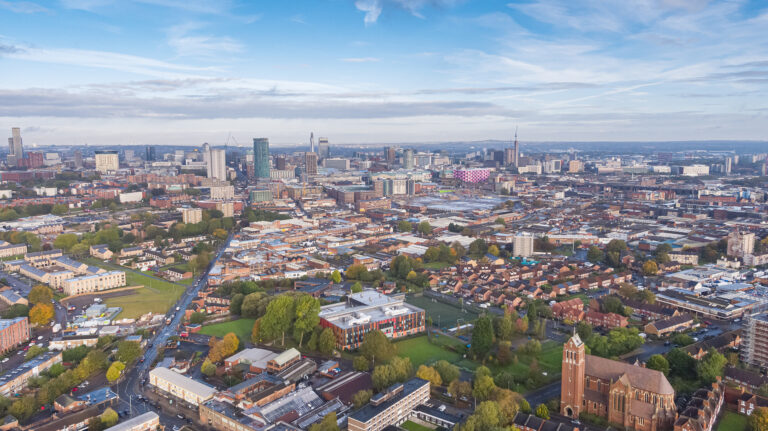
(156,296)
(442,314)
(413,426)
(732,421)
(241,327)
(421,351)
(436,265)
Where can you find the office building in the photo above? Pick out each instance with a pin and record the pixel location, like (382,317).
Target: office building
(575,166)
(393,406)
(148,421)
(191,215)
(310,160)
(523,246)
(630,395)
(107,161)
(408,161)
(149,153)
(13,332)
(180,386)
(15,147)
(340,164)
(78,156)
(281,163)
(368,311)
(261,158)
(217,164)
(222,192)
(476,175)
(390,154)
(323,148)
(754,344)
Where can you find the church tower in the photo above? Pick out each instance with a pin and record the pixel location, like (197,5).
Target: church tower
(572,381)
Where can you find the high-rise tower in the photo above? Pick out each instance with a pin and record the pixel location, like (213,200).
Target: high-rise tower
(517,151)
(261,158)
(217,164)
(572,380)
(408,161)
(15,148)
(312,142)
(323,148)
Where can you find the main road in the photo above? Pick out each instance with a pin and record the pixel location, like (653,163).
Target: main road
(130,386)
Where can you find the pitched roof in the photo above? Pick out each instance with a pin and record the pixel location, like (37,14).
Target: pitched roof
(639,377)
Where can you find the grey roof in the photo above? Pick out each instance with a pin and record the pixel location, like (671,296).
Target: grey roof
(370,411)
(133,422)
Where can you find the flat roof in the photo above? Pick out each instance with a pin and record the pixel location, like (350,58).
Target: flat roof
(184,382)
(370,411)
(366,307)
(133,422)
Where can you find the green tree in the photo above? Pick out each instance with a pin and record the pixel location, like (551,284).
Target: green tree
(404,226)
(361,398)
(542,411)
(482,337)
(279,317)
(758,420)
(478,247)
(109,418)
(682,339)
(377,347)
(65,241)
(329,423)
(40,294)
(326,342)
(306,311)
(595,255)
(525,407)
(711,366)
(424,228)
(448,371)
(33,352)
(483,388)
(128,351)
(236,304)
(658,363)
(360,363)
(336,276)
(357,287)
(208,368)
(115,370)
(584,330)
(505,327)
(650,268)
(197,317)
(681,364)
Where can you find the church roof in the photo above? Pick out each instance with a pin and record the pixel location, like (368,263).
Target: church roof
(639,377)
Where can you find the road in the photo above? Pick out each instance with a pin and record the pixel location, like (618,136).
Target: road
(130,386)
(543,394)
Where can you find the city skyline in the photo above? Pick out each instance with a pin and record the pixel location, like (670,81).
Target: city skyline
(156,72)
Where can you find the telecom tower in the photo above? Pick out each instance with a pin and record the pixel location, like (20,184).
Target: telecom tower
(517,150)
(311,142)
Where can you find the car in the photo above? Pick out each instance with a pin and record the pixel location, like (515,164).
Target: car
(74,389)
(26,348)
(180,416)
(40,337)
(5,360)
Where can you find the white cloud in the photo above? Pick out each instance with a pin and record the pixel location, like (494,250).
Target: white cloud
(372,9)
(187,44)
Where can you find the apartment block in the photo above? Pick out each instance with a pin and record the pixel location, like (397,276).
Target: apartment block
(391,407)
(94,282)
(754,344)
(13,332)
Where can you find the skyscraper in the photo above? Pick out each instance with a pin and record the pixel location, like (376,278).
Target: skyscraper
(15,148)
(217,164)
(261,157)
(323,148)
(78,159)
(107,161)
(312,142)
(207,155)
(150,153)
(408,162)
(389,154)
(310,159)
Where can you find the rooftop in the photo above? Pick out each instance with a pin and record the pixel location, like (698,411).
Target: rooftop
(184,382)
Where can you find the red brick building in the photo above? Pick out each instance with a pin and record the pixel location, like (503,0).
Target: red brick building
(13,332)
(606,320)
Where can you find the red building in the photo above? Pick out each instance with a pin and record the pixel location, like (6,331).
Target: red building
(606,320)
(13,332)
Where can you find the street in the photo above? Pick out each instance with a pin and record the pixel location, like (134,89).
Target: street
(130,386)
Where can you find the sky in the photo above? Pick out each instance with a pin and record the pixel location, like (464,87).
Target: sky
(184,72)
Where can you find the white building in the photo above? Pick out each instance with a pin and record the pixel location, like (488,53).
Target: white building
(217,164)
(107,161)
(523,245)
(180,386)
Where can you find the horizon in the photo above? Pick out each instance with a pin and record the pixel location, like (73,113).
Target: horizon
(154,72)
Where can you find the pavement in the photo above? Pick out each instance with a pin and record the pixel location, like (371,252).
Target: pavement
(131,385)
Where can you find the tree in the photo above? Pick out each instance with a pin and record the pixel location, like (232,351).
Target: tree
(326,342)
(254,305)
(357,287)
(650,267)
(307,309)
(459,388)
(115,370)
(360,363)
(128,351)
(758,420)
(404,226)
(80,250)
(482,337)
(430,374)
(505,327)
(658,363)
(109,418)
(613,304)
(278,318)
(522,324)
(336,276)
(711,366)
(255,331)
(682,340)
(594,254)
(493,249)
(681,364)
(584,330)
(525,407)
(41,314)
(424,228)
(329,423)
(197,318)
(16,310)
(65,241)
(40,294)
(34,351)
(483,388)
(236,304)
(448,371)
(500,221)
(361,398)
(208,368)
(504,353)
(478,247)
(377,347)
(542,411)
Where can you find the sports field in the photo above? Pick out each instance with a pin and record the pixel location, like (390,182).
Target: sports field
(442,314)
(421,351)
(241,327)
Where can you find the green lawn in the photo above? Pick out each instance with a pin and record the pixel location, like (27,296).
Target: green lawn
(731,421)
(241,327)
(421,351)
(442,314)
(436,265)
(413,426)
(156,296)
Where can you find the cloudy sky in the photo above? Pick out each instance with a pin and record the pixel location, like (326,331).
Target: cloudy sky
(124,72)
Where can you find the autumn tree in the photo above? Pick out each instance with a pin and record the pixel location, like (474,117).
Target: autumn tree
(41,314)
(208,368)
(758,420)
(40,294)
(430,374)
(650,267)
(115,370)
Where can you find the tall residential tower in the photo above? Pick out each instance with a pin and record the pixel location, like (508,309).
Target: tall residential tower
(261,158)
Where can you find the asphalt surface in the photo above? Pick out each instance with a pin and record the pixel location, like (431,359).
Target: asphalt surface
(130,387)
(17,284)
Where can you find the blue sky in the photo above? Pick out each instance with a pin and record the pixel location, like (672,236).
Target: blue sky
(376,71)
